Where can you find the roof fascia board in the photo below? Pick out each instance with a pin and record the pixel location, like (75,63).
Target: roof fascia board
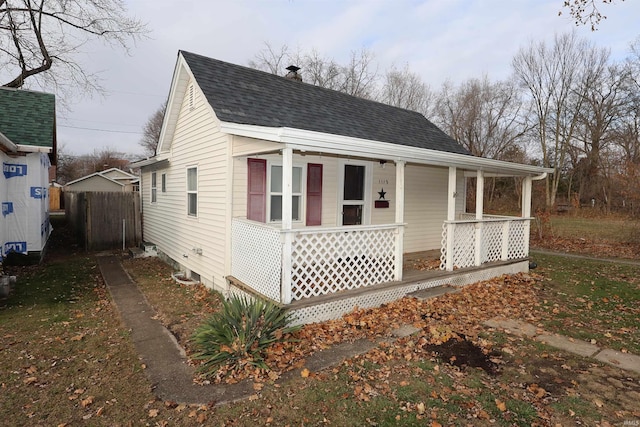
(148,161)
(34,149)
(128,175)
(335,144)
(6,142)
(95,174)
(169,121)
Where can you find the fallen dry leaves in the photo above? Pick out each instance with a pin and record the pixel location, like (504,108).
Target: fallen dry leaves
(440,319)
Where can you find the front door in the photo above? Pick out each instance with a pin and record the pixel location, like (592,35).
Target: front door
(353,195)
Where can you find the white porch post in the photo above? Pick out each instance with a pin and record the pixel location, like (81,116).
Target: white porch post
(451,216)
(287,222)
(399,218)
(479,210)
(526,210)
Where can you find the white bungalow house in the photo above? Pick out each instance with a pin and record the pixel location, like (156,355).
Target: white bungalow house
(313,198)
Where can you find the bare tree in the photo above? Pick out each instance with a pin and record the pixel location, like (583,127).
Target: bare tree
(586,11)
(151,131)
(483,116)
(552,78)
(405,89)
(71,167)
(271,60)
(40,39)
(358,77)
(603,104)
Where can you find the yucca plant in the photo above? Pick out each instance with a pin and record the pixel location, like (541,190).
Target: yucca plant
(240,333)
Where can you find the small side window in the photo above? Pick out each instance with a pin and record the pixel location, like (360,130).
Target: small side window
(163,182)
(154,189)
(192,191)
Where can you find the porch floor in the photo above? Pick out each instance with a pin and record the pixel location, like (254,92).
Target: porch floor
(417,267)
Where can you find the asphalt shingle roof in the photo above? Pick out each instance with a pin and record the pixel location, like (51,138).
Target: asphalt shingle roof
(27,118)
(244,95)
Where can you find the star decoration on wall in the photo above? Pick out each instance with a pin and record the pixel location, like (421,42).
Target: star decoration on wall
(381,193)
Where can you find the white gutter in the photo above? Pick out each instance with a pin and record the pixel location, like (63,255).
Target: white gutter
(6,142)
(539,177)
(344,145)
(148,161)
(33,149)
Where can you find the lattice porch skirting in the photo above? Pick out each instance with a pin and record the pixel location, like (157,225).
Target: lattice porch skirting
(375,296)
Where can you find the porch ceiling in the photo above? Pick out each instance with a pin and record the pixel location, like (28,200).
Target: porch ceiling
(304,140)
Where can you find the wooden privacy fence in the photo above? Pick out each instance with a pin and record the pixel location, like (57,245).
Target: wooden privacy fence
(55,198)
(104,220)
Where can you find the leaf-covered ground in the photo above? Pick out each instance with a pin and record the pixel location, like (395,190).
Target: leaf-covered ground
(66,360)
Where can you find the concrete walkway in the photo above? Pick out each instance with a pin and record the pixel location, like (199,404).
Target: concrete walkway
(166,365)
(626,361)
(172,378)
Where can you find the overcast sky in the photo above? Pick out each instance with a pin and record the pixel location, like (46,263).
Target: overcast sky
(438,39)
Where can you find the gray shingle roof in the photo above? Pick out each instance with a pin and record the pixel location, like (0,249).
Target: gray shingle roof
(28,118)
(243,95)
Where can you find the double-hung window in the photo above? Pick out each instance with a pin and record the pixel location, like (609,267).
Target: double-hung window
(154,188)
(275,194)
(264,193)
(192,191)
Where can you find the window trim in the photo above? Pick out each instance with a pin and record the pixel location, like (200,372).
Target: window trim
(154,188)
(188,192)
(303,202)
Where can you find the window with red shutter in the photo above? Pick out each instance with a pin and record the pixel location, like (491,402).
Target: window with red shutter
(257,189)
(314,194)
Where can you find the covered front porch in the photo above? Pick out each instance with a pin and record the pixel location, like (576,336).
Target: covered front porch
(327,269)
(287,266)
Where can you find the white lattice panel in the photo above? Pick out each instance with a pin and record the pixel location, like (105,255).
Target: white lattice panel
(325,262)
(336,309)
(517,242)
(464,245)
(491,241)
(492,234)
(257,257)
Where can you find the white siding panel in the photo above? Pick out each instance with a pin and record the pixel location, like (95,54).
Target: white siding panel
(94,183)
(329,184)
(425,207)
(196,142)
(384,178)
(243,146)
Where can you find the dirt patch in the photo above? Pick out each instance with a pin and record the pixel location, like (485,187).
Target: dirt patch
(460,352)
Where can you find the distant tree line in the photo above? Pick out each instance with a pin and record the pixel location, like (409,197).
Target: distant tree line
(567,105)
(71,167)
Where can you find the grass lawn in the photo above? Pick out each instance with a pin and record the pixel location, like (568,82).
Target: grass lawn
(591,300)
(66,360)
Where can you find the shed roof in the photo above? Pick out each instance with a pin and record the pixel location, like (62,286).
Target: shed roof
(244,95)
(28,117)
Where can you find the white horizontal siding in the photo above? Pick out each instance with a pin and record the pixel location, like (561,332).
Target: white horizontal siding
(243,146)
(384,178)
(94,183)
(329,185)
(196,142)
(425,207)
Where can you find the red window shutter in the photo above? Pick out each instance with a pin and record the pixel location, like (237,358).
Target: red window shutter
(314,194)
(257,190)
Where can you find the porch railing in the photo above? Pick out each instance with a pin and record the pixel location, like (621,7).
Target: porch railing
(473,242)
(287,265)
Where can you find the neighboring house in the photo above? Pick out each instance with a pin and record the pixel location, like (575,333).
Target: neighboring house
(271,186)
(28,150)
(113,179)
